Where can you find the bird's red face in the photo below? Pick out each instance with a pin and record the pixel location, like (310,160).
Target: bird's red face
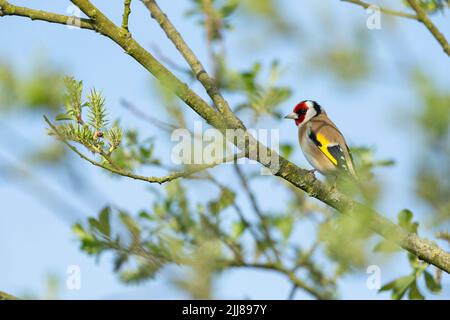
(300,110)
(304,111)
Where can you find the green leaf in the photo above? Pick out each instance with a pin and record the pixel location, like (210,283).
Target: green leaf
(414,261)
(414,293)
(399,286)
(64,116)
(431,284)
(114,136)
(119,261)
(143,272)
(144,215)
(431,6)
(97,111)
(229,9)
(73,94)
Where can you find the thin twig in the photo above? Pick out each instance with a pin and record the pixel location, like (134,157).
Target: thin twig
(169,62)
(213,24)
(292,292)
(420,16)
(126,14)
(92,194)
(43,192)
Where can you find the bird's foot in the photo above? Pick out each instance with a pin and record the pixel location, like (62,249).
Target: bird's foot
(312,173)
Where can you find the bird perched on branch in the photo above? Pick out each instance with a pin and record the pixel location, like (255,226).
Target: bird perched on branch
(322,143)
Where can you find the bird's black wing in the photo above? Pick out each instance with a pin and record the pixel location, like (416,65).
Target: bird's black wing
(338,153)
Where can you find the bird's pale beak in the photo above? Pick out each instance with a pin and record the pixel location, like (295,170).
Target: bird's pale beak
(291,115)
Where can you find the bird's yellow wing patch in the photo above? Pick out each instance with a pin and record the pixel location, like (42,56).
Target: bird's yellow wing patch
(323,146)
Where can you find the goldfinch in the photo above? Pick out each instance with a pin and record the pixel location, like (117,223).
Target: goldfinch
(322,143)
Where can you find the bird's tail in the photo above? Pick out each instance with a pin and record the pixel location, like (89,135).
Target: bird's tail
(351,184)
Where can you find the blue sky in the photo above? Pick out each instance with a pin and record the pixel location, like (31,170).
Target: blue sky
(35,242)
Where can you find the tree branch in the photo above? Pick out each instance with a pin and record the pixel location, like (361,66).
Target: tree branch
(423,17)
(126,14)
(7,9)
(298,283)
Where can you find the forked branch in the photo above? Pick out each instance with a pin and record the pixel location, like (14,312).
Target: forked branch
(112,167)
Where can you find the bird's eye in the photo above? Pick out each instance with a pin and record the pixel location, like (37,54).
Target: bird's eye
(302,111)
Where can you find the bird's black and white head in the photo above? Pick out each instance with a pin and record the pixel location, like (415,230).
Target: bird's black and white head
(305,111)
